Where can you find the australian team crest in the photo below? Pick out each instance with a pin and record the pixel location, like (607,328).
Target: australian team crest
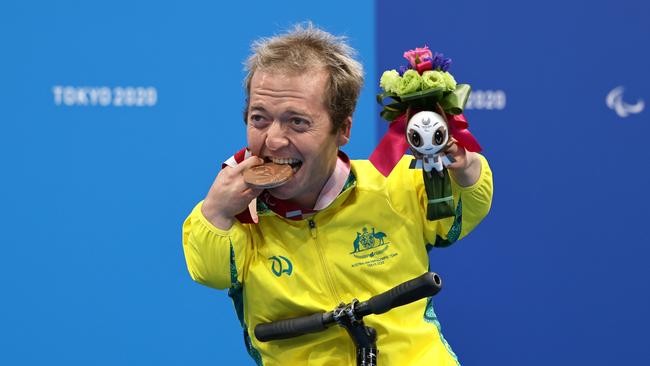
(369,243)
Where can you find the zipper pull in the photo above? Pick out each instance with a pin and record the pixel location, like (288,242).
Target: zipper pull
(312,228)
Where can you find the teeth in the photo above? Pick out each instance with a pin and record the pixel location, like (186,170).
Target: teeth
(284,160)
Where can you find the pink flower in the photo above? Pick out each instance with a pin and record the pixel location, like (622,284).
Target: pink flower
(415,56)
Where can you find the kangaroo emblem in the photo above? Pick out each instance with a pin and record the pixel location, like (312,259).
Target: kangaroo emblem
(366,240)
(356,243)
(379,236)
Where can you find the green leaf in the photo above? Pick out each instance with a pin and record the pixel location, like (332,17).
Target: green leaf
(390,115)
(382,96)
(429,93)
(454,102)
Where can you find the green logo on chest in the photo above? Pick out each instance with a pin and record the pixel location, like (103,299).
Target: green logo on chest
(281,264)
(369,243)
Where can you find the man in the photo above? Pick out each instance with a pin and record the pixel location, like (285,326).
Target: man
(301,256)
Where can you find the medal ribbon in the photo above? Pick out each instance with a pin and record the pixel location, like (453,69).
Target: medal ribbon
(281,207)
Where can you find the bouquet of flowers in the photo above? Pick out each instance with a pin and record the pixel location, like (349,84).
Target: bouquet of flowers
(424,85)
(425,81)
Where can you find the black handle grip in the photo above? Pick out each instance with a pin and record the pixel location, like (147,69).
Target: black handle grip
(288,328)
(424,286)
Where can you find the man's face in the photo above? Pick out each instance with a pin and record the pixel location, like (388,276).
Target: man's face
(288,123)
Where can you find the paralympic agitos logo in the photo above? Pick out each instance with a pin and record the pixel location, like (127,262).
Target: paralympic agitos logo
(281,264)
(615,101)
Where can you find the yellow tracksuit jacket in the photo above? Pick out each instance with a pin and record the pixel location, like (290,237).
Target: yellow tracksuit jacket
(374,236)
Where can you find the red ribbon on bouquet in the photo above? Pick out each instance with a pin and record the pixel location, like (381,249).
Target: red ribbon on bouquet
(393,145)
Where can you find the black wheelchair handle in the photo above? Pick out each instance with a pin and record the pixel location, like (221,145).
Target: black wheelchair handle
(426,285)
(420,287)
(289,328)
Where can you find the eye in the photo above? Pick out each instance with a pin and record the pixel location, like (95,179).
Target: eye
(299,124)
(298,121)
(439,136)
(257,120)
(414,138)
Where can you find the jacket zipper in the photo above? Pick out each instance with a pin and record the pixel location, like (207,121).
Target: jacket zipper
(321,256)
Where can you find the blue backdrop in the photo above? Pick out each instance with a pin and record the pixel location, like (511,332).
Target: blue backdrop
(557,274)
(115,116)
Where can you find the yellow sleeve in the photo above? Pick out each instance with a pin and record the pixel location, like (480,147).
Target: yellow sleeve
(214,257)
(472,205)
(476,199)
(410,197)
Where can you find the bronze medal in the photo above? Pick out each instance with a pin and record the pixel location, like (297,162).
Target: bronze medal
(268,175)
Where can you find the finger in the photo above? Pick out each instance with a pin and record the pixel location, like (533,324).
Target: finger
(251,192)
(458,161)
(459,149)
(247,163)
(252,208)
(452,148)
(455,165)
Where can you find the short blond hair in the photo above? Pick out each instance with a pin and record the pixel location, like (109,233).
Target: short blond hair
(306,48)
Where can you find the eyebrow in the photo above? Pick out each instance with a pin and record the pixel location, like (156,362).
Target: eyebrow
(257,108)
(292,111)
(288,112)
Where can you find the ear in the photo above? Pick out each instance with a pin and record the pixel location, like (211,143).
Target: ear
(343,136)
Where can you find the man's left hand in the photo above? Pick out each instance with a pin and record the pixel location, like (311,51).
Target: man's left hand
(466,168)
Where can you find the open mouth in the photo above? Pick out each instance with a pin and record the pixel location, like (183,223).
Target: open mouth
(295,163)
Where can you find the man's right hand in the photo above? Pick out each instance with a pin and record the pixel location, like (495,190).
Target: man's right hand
(229,194)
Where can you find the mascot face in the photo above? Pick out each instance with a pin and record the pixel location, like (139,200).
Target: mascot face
(427,132)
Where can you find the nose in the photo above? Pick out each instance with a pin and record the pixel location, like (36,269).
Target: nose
(276,137)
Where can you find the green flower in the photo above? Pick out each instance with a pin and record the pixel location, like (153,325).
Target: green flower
(410,83)
(450,82)
(433,79)
(390,81)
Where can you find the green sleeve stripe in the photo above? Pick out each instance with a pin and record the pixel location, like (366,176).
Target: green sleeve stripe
(431,317)
(236,293)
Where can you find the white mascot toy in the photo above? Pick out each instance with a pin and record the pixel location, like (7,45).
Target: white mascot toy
(428,136)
